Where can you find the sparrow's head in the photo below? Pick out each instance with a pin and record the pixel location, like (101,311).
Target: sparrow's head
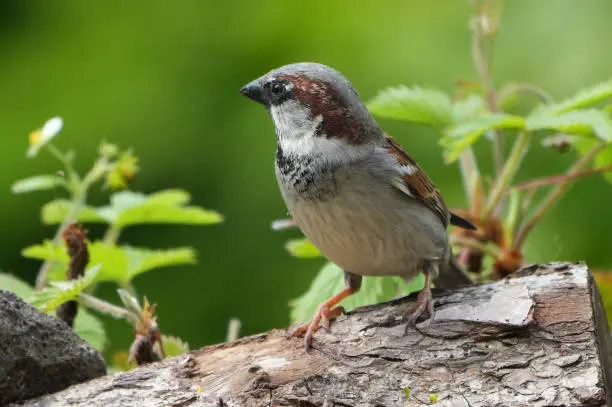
(314,109)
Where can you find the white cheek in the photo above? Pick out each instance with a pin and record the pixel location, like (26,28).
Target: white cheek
(296,136)
(292,120)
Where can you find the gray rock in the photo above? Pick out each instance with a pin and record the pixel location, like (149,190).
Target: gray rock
(39,354)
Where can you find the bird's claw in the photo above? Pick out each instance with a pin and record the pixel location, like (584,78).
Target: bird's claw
(321,319)
(425,303)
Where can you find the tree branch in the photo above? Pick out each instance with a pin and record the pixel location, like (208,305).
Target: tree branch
(539,338)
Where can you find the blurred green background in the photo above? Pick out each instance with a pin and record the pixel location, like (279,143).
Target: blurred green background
(164,77)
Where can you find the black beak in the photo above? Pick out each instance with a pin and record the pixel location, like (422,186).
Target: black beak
(253,91)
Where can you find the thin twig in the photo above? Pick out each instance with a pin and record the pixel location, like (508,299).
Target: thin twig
(103,306)
(521,145)
(525,88)
(474,244)
(556,193)
(555,179)
(469,174)
(482,65)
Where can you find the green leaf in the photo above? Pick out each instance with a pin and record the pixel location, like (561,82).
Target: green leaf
(118,264)
(55,212)
(585,97)
(90,328)
(155,213)
(130,208)
(13,284)
(114,260)
(59,292)
(47,251)
(37,183)
(302,248)
(582,122)
(143,260)
(418,105)
(170,197)
(330,281)
(457,138)
(174,346)
(470,107)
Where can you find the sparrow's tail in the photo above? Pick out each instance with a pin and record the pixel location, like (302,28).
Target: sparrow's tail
(452,275)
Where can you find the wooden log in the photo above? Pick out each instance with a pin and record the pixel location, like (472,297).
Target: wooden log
(538,338)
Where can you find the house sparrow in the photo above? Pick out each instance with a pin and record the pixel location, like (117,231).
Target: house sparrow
(352,189)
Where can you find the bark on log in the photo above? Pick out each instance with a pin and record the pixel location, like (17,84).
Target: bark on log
(539,338)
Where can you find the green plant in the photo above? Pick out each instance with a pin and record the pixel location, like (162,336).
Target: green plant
(107,261)
(506,211)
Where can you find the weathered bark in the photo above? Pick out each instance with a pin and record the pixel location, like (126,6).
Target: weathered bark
(539,338)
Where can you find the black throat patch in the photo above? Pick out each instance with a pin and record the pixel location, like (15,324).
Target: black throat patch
(309,177)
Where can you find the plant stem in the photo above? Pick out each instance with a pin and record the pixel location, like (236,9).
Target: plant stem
(469,173)
(556,193)
(555,179)
(521,145)
(112,235)
(129,287)
(103,306)
(482,65)
(525,88)
(474,244)
(78,202)
(79,198)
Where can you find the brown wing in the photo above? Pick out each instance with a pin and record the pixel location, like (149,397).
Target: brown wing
(414,182)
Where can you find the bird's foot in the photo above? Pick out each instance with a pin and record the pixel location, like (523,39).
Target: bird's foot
(425,303)
(321,319)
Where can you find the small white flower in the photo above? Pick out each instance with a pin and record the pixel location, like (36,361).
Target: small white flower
(40,137)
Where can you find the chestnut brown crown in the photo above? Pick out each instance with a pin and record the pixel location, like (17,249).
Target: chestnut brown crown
(323,92)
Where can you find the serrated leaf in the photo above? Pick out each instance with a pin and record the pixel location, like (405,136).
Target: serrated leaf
(417,105)
(155,213)
(585,97)
(37,183)
(330,281)
(46,251)
(170,197)
(114,260)
(143,260)
(59,292)
(118,263)
(55,212)
(174,346)
(15,285)
(582,122)
(90,328)
(302,248)
(130,208)
(457,138)
(469,107)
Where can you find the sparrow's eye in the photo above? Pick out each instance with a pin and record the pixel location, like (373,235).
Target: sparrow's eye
(277,88)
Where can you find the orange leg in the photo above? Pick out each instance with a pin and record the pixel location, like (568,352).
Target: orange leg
(424,303)
(325,312)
